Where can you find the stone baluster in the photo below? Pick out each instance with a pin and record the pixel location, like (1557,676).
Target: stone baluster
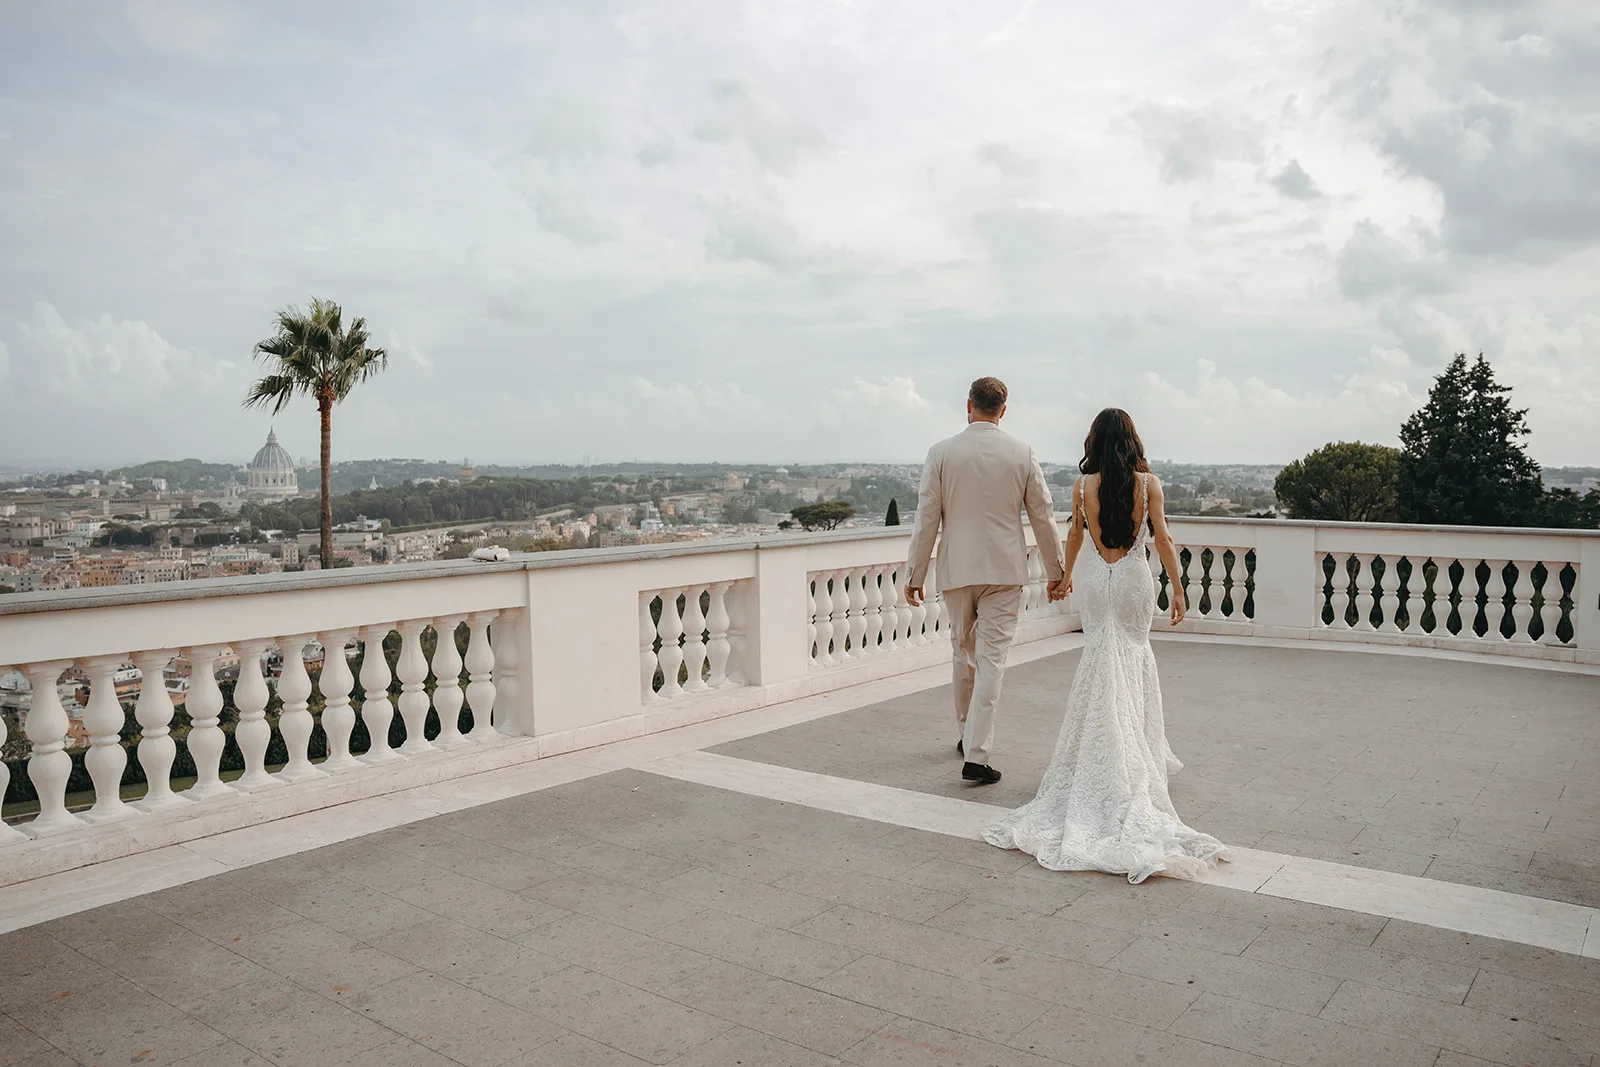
(49,766)
(694,641)
(447,682)
(738,638)
(821,614)
(841,617)
(412,670)
(337,684)
(1389,594)
(858,611)
(107,759)
(670,630)
(1494,607)
(890,586)
(506,640)
(376,711)
(252,734)
(1339,599)
(718,647)
(872,636)
(157,749)
(1030,591)
(206,739)
(8,835)
(1522,606)
(1550,605)
(647,650)
(902,610)
(481,689)
(295,720)
(938,612)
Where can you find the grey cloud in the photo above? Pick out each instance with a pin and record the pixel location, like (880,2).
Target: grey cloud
(561,210)
(1008,160)
(741,233)
(1293,181)
(1374,264)
(1191,141)
(744,114)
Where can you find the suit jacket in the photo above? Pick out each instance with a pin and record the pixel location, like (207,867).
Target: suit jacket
(975,487)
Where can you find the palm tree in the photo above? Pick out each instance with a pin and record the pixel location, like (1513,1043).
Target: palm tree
(315,354)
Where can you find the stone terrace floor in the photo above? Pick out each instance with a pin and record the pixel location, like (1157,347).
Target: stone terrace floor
(631,917)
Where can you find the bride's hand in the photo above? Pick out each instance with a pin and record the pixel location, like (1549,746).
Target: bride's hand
(1179,609)
(1061,590)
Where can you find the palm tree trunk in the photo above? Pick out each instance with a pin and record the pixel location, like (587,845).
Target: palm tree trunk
(325,409)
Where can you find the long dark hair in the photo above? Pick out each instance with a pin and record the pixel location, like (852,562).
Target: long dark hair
(1114,452)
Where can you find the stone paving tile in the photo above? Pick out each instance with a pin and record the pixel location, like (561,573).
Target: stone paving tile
(1585,891)
(870,893)
(790,954)
(791,1012)
(649,962)
(568,1050)
(740,1047)
(291,1026)
(1111,993)
(1258,908)
(485,861)
(1539,1002)
(1080,1037)
(1151,918)
(641,1024)
(756,901)
(469,957)
(480,905)
(1487,953)
(36,968)
(1201,971)
(470,1028)
(356,911)
(916,944)
(322,960)
(909,1043)
(1355,855)
(616,902)
(401,1052)
(18,1044)
(1297,1039)
(1042,895)
(1340,960)
(1064,937)
(117,1022)
(183,972)
(960,1004)
(236,1055)
(1460,1028)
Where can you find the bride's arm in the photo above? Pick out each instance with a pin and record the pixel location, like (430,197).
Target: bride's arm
(1165,549)
(1074,543)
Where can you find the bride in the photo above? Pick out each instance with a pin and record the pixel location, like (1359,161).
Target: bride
(1103,803)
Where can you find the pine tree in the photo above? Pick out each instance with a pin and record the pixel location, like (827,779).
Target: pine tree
(893,517)
(1463,461)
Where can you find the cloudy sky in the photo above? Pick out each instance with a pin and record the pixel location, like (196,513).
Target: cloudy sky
(788,231)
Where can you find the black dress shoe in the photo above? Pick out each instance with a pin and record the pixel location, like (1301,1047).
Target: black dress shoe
(959,750)
(980,773)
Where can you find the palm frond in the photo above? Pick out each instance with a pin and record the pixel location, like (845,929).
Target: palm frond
(274,392)
(314,353)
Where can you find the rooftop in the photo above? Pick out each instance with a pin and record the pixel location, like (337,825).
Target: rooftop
(779,865)
(797,884)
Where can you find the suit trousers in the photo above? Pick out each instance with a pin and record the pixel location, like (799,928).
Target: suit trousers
(983,623)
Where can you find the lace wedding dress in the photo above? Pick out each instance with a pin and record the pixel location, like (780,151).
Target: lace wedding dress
(1103,803)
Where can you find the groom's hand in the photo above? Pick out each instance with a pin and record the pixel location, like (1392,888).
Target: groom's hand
(914,595)
(1061,590)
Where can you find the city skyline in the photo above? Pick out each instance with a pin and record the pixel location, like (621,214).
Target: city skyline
(794,233)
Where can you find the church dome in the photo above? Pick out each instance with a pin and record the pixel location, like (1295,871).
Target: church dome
(272,457)
(271,474)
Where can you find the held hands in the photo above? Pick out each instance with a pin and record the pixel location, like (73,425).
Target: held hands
(1061,590)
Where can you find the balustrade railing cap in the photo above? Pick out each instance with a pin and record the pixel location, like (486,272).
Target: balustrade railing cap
(1408,527)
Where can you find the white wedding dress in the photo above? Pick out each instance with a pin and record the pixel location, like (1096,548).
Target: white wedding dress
(1103,803)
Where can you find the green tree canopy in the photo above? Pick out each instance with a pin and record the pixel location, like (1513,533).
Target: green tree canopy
(823,515)
(1464,461)
(1346,481)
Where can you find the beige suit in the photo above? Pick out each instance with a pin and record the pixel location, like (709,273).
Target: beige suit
(975,488)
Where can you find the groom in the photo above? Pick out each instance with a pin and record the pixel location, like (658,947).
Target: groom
(976,485)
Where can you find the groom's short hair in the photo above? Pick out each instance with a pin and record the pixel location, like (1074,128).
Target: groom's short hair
(988,395)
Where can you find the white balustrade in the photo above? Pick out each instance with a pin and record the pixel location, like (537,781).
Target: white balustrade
(377,713)
(718,627)
(8,835)
(206,740)
(49,766)
(481,689)
(337,685)
(295,721)
(157,750)
(412,670)
(447,695)
(696,645)
(103,719)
